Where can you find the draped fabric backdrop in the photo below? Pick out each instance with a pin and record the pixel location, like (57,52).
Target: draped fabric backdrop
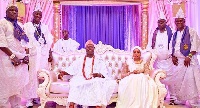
(4,4)
(193,15)
(114,25)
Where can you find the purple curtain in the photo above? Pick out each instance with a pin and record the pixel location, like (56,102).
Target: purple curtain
(113,25)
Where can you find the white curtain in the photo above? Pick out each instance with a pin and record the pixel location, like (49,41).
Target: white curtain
(193,14)
(3,6)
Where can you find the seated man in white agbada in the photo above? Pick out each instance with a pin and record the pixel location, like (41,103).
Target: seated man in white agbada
(90,84)
(65,44)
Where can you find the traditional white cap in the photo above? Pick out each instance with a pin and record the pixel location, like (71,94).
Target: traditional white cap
(38,7)
(11,3)
(162,16)
(180,13)
(89,42)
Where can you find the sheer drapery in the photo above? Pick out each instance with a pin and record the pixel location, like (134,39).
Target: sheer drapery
(4,4)
(114,25)
(193,14)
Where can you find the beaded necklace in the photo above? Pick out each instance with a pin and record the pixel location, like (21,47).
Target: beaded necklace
(83,69)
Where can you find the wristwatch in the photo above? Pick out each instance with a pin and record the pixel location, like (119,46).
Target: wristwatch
(12,56)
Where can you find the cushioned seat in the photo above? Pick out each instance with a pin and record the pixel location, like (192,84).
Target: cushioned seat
(59,87)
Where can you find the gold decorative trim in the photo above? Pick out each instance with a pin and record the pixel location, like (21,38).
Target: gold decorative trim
(144,27)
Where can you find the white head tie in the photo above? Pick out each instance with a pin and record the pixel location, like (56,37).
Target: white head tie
(137,47)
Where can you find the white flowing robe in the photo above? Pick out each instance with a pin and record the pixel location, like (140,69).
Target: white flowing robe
(137,90)
(38,57)
(163,60)
(93,92)
(12,79)
(186,82)
(64,46)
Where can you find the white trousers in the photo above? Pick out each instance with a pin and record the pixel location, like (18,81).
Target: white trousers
(15,102)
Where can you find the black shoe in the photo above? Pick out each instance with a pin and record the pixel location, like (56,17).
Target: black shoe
(172,102)
(79,106)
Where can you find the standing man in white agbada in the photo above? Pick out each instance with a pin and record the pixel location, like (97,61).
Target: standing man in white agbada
(65,44)
(90,84)
(161,44)
(13,59)
(40,54)
(161,47)
(186,69)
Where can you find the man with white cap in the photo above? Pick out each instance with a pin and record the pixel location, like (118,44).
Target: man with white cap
(161,44)
(186,72)
(13,59)
(161,47)
(40,54)
(90,84)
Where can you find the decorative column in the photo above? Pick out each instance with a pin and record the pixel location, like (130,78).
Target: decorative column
(56,20)
(144,24)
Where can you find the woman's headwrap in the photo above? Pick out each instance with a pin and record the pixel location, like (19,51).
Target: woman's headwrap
(137,47)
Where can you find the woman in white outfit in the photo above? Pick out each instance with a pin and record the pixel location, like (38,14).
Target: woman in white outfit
(137,89)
